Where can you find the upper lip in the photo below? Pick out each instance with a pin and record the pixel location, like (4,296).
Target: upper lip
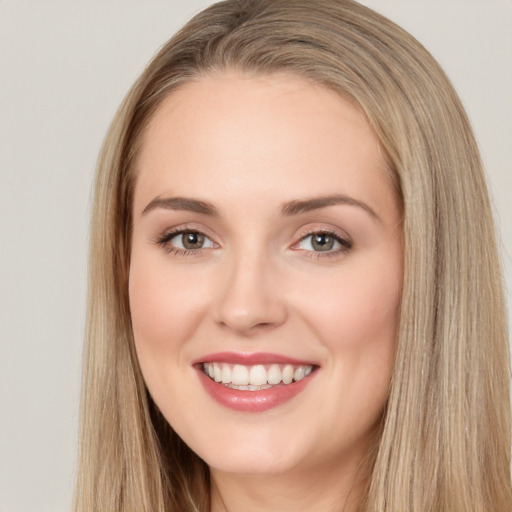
(250,359)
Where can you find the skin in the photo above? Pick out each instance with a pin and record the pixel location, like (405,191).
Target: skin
(248,145)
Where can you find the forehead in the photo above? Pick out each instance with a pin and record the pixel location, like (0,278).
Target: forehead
(276,135)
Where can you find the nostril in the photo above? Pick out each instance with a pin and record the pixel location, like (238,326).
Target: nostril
(246,326)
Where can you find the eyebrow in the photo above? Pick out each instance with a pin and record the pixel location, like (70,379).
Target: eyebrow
(289,208)
(182,203)
(316,203)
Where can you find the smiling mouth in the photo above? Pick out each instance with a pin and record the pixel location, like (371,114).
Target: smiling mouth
(256,377)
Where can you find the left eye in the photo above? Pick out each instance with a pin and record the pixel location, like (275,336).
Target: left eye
(323,242)
(190,240)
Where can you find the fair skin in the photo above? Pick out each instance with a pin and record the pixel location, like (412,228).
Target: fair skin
(285,241)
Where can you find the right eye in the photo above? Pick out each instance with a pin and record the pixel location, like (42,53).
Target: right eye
(184,242)
(190,240)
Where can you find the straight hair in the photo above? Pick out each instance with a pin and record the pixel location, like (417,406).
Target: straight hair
(444,443)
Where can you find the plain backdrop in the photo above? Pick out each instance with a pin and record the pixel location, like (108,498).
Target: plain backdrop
(64,68)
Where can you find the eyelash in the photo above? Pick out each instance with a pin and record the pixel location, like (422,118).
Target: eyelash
(165,238)
(345,243)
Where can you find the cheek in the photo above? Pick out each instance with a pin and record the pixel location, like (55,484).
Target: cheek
(356,320)
(357,309)
(164,308)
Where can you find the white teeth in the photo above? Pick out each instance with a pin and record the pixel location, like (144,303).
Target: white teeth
(274,374)
(299,373)
(258,375)
(257,388)
(240,375)
(254,378)
(249,387)
(226,374)
(288,374)
(217,373)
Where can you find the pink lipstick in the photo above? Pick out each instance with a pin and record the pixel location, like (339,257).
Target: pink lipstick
(253,382)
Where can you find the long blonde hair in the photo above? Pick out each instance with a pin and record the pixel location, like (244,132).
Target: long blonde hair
(445,439)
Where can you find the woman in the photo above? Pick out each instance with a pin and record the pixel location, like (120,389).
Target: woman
(295,299)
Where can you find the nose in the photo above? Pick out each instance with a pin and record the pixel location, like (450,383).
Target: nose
(249,298)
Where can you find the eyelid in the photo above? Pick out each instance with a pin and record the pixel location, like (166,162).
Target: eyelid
(345,241)
(164,237)
(341,237)
(172,236)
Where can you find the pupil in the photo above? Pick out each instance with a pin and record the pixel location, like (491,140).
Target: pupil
(323,242)
(193,240)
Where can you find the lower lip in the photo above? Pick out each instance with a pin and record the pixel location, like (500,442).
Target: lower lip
(252,401)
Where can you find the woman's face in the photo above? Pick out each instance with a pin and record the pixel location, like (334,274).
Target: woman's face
(266,248)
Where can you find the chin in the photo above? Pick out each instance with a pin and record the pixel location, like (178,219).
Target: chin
(243,462)
(244,451)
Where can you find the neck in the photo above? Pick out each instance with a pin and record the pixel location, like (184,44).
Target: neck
(320,489)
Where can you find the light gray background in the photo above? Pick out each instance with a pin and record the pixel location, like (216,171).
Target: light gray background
(64,68)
